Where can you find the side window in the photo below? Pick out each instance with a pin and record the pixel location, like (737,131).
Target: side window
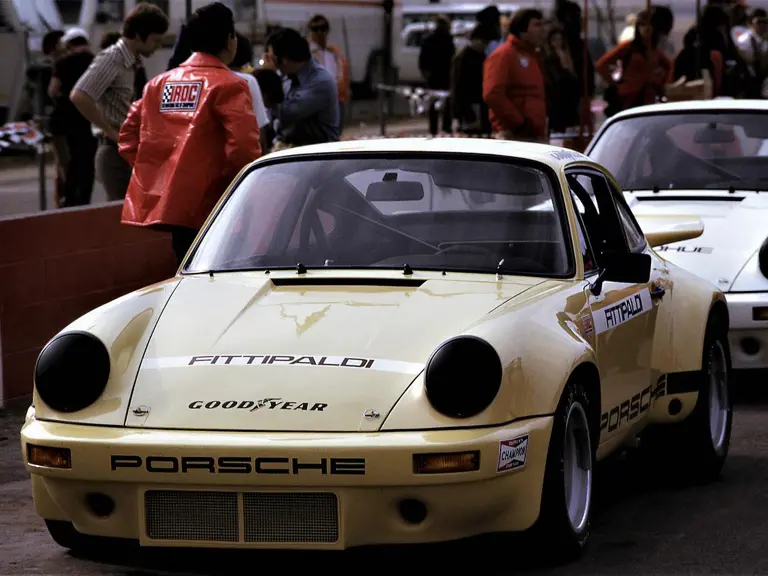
(598,211)
(635,237)
(586,250)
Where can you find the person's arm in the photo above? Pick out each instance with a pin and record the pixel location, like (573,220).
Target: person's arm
(129,136)
(54,87)
(90,88)
(307,101)
(234,109)
(497,76)
(604,65)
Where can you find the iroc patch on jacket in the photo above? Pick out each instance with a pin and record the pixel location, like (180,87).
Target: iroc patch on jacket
(180,96)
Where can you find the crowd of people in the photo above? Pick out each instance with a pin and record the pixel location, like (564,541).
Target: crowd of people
(531,80)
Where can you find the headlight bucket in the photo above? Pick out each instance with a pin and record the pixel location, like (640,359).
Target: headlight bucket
(72,371)
(463,376)
(762,258)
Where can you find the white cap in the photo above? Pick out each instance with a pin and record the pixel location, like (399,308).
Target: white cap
(73,33)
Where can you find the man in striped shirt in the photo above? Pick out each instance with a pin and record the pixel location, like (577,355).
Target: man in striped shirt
(105,92)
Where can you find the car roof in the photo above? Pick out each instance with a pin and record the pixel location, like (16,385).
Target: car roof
(555,157)
(724,104)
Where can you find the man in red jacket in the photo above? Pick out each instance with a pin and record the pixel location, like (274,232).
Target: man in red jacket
(513,83)
(190,134)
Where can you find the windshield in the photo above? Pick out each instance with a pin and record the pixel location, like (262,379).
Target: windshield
(435,213)
(708,150)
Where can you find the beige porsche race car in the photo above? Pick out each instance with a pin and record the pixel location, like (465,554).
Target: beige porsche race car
(374,342)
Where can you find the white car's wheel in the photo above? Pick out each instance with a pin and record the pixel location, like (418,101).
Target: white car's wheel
(564,520)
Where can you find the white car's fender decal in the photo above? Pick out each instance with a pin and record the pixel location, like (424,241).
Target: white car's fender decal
(256,360)
(624,310)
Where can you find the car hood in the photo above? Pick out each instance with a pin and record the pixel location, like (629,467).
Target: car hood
(734,229)
(241,351)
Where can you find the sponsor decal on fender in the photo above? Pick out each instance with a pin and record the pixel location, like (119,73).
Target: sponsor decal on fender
(587,326)
(253,405)
(257,360)
(512,454)
(618,313)
(238,465)
(686,249)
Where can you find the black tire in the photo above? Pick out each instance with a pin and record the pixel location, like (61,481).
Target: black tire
(554,533)
(65,535)
(691,452)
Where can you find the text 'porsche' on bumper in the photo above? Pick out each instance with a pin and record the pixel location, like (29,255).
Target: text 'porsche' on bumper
(169,488)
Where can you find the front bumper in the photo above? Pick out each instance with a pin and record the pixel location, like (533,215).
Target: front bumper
(748,337)
(179,488)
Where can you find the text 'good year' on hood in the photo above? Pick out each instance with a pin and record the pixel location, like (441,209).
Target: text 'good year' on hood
(243,352)
(734,229)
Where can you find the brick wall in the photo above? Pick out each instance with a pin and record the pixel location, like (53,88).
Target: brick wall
(58,265)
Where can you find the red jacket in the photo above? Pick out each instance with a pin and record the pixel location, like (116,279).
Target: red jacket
(187,138)
(513,89)
(644,76)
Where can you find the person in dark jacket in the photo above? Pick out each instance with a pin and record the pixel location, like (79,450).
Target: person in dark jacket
(468,105)
(561,82)
(569,15)
(435,60)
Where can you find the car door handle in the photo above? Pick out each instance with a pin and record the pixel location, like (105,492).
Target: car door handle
(657,292)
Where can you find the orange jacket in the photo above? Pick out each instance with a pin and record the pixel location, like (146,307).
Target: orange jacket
(651,72)
(342,70)
(513,89)
(187,138)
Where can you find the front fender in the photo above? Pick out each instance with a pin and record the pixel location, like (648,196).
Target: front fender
(124,326)
(540,344)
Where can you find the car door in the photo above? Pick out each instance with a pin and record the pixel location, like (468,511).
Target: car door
(623,314)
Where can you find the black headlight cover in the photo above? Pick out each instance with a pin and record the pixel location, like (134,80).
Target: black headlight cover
(72,371)
(463,376)
(762,258)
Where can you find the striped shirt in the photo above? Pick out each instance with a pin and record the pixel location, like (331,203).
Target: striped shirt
(109,81)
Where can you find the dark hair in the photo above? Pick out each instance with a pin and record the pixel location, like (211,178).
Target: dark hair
(210,28)
(662,19)
(108,39)
(144,20)
(644,17)
(483,31)
(270,84)
(244,53)
(522,19)
(758,13)
(51,40)
(488,15)
(78,41)
(318,19)
(288,43)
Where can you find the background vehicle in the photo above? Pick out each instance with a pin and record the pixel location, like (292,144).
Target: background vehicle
(706,159)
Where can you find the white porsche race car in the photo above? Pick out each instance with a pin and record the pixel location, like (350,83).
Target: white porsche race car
(706,159)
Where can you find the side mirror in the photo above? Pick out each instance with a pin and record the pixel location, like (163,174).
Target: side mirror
(629,267)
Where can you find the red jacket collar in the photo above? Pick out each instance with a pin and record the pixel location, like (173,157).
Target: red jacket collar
(521,45)
(201,59)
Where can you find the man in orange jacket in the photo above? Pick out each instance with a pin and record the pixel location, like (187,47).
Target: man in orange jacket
(190,134)
(513,83)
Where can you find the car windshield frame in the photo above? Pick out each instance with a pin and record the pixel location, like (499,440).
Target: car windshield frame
(725,113)
(559,208)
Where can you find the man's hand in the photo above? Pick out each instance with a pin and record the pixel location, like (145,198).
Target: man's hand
(112,134)
(268,61)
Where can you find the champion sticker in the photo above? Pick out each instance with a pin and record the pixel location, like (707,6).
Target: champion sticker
(587,326)
(180,96)
(618,313)
(512,454)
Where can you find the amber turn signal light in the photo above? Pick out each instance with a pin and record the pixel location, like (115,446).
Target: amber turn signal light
(49,456)
(446,463)
(760,313)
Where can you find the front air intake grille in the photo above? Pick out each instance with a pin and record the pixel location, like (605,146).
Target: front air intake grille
(268,517)
(290,517)
(196,516)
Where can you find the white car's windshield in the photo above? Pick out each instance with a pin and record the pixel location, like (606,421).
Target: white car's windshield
(687,151)
(379,211)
